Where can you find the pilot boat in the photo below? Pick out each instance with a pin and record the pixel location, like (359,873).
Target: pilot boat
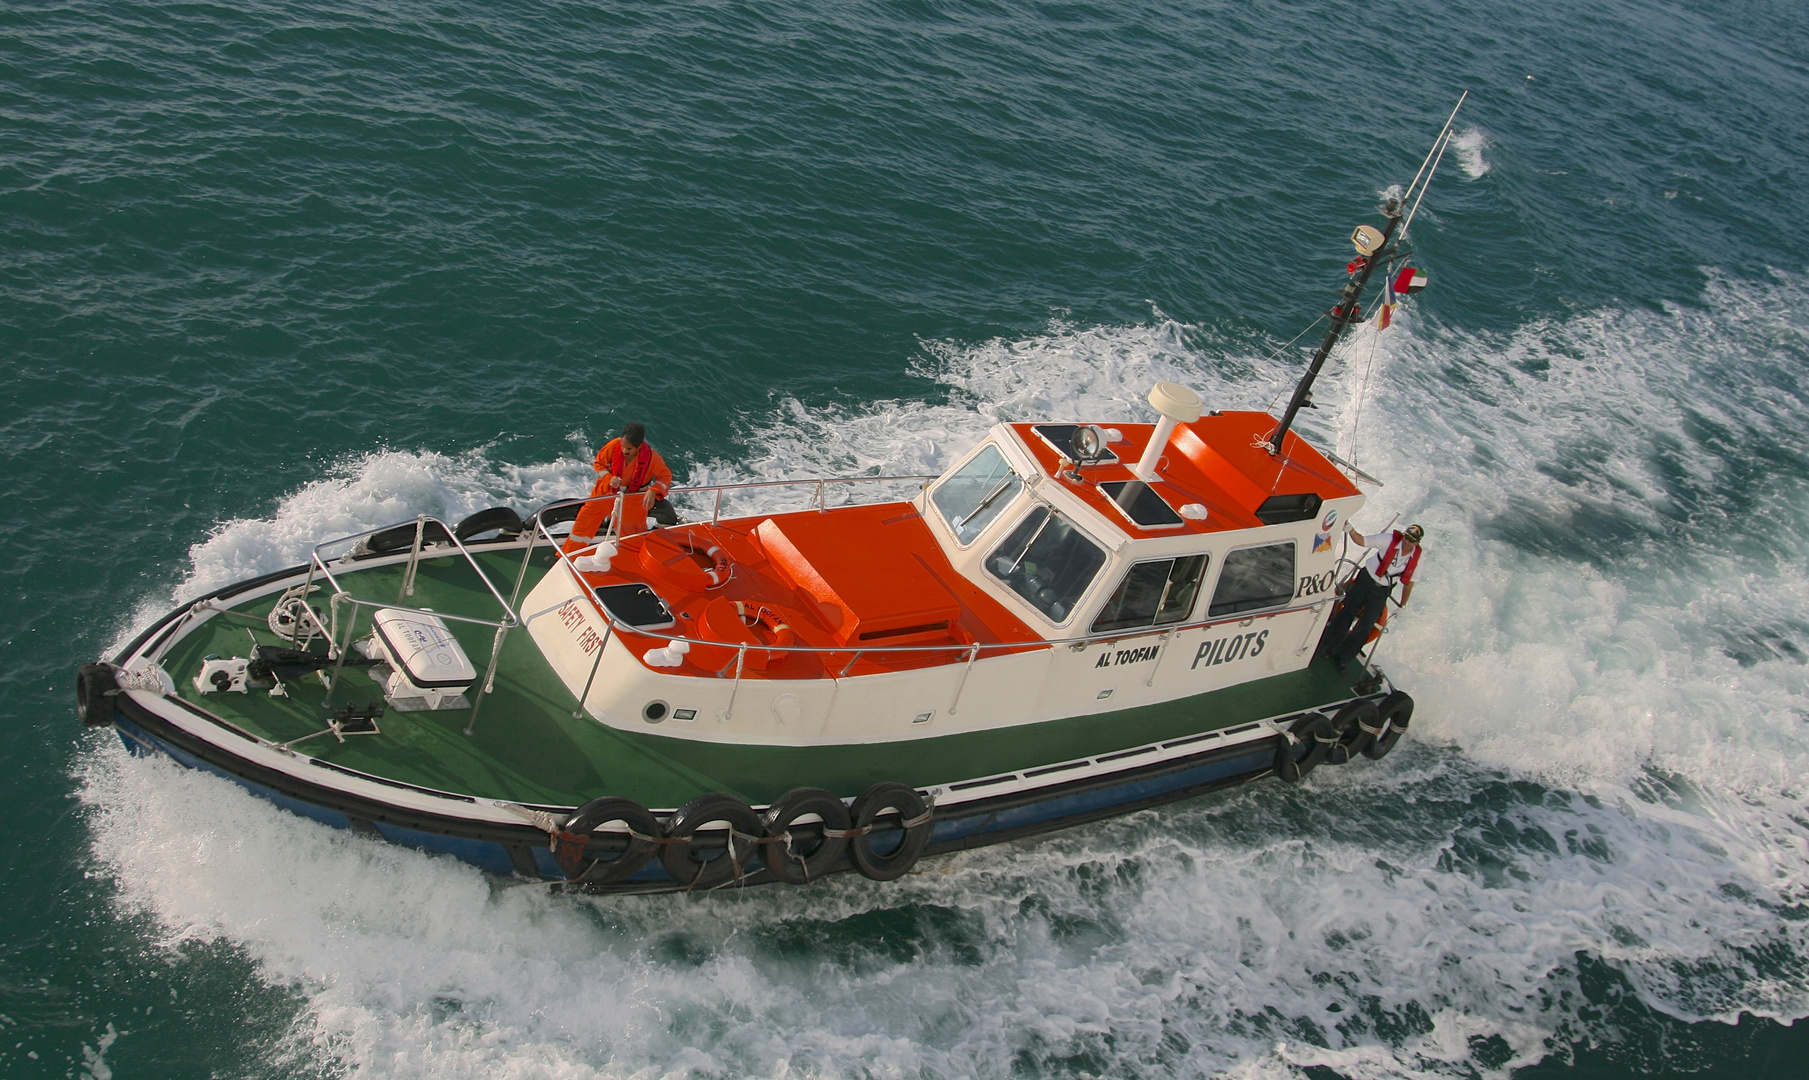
(1075,620)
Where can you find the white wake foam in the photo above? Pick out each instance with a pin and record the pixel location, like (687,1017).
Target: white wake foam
(1587,585)
(1383,919)
(379,488)
(1470,144)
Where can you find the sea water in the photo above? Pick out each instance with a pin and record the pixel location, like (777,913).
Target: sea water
(283,271)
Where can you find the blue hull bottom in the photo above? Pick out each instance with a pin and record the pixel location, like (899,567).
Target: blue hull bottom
(524,852)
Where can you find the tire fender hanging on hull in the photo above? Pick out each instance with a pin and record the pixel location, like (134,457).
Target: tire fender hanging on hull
(95,688)
(1318,733)
(572,845)
(1396,711)
(797,849)
(1358,723)
(914,814)
(695,856)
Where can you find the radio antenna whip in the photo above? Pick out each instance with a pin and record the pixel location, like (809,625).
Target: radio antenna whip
(1374,248)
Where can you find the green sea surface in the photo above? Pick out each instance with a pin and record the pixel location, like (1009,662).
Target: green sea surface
(273,272)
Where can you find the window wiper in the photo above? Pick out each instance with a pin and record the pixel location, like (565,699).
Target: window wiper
(1010,479)
(1034,537)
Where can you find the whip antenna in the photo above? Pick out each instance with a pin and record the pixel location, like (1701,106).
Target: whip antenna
(1442,144)
(1438,148)
(1374,248)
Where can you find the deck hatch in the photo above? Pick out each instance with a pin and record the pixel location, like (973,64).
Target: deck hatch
(635,604)
(1139,502)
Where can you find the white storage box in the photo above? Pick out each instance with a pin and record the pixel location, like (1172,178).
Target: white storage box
(429,669)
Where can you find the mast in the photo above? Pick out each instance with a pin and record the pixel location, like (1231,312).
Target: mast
(1374,250)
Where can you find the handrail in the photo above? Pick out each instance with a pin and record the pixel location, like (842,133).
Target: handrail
(964,646)
(326,570)
(509,620)
(820,483)
(615,626)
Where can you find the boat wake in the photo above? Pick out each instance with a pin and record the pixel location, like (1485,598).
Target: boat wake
(1596,824)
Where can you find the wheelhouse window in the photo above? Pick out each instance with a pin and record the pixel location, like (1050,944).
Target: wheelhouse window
(976,493)
(1047,561)
(1153,593)
(1254,577)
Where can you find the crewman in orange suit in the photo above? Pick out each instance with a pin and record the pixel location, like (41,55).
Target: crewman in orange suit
(626,463)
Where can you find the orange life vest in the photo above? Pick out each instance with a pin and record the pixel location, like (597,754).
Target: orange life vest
(638,474)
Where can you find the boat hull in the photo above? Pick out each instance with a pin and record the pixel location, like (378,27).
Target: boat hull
(524,850)
(515,837)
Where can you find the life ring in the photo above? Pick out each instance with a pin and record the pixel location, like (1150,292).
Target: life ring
(700,857)
(806,831)
(1397,712)
(1379,629)
(573,844)
(1316,732)
(691,564)
(95,689)
(888,798)
(773,626)
(1358,724)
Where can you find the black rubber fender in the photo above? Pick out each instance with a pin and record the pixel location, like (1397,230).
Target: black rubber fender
(577,849)
(1397,712)
(799,852)
(1358,724)
(95,689)
(402,537)
(884,799)
(556,514)
(703,858)
(1317,734)
(501,519)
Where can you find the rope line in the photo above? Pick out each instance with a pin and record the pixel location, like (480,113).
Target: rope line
(1283,349)
(1362,394)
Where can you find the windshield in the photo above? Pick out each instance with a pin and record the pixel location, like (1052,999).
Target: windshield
(1047,561)
(976,493)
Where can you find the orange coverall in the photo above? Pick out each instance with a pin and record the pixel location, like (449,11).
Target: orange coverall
(646,472)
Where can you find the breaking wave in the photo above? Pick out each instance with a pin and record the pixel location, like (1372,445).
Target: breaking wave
(1470,144)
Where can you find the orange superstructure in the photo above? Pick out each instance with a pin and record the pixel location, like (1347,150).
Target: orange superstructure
(837,583)
(1216,461)
(811,594)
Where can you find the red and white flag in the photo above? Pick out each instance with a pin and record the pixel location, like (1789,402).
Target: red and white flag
(1389,300)
(1409,280)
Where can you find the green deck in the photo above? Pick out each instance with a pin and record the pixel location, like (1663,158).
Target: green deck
(528,748)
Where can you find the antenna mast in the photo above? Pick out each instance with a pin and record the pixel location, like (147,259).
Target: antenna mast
(1374,248)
